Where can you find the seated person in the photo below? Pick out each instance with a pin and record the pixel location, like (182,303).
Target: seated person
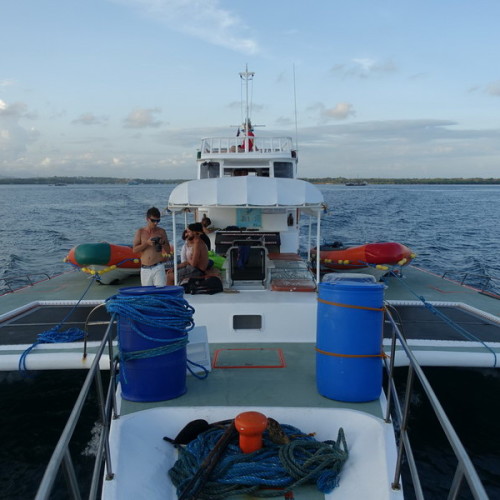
(197,227)
(196,262)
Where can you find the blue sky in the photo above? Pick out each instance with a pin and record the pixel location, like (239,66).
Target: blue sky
(126,88)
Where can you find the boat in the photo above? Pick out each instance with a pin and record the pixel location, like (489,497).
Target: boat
(373,258)
(109,263)
(356,183)
(259,362)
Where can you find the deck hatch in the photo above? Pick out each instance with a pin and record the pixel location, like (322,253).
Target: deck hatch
(264,357)
(247,322)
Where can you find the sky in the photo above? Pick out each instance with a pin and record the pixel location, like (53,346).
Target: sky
(366,88)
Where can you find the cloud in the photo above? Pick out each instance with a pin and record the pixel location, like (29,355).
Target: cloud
(14,138)
(143,118)
(341,111)
(363,68)
(203,19)
(90,119)
(6,83)
(401,148)
(493,89)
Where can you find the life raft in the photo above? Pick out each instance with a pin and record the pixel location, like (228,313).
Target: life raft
(107,261)
(387,254)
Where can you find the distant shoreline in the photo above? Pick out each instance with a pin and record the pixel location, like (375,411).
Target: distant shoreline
(61,181)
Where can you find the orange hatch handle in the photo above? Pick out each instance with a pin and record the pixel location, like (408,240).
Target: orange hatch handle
(250,425)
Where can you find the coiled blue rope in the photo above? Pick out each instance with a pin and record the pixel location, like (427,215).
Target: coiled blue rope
(54,336)
(304,460)
(160,312)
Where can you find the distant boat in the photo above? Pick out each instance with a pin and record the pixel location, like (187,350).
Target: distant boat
(356,183)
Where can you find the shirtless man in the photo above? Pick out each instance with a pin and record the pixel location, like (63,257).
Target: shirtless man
(196,262)
(152,243)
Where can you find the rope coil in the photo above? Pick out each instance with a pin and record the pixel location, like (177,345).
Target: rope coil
(303,460)
(160,312)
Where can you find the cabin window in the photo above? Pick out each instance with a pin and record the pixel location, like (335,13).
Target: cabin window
(247,322)
(209,170)
(283,169)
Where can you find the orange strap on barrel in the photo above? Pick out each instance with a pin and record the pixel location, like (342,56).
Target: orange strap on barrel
(381,355)
(351,306)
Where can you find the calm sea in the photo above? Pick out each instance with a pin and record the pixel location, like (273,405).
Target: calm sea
(450,228)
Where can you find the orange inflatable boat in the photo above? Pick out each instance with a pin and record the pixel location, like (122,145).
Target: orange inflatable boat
(109,262)
(338,257)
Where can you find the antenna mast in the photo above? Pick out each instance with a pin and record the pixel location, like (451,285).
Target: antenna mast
(247,76)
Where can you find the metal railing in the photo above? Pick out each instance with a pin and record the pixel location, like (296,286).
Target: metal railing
(258,145)
(108,410)
(61,456)
(486,281)
(24,278)
(465,469)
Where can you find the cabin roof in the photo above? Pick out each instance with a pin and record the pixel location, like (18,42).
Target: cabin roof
(246,191)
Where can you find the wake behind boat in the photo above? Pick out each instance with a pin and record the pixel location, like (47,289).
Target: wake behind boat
(277,344)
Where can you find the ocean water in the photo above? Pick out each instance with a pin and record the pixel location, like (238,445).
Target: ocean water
(450,228)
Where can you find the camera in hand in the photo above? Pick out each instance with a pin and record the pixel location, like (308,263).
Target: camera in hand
(156,240)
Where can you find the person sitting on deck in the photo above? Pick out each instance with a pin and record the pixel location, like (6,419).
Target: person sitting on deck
(198,228)
(196,262)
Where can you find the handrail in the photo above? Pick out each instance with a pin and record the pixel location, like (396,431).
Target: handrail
(108,409)
(465,276)
(61,455)
(11,279)
(465,468)
(238,145)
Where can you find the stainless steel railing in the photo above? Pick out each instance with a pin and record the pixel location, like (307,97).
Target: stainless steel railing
(257,145)
(108,410)
(107,407)
(465,469)
(22,280)
(486,283)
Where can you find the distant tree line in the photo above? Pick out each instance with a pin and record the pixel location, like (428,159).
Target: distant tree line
(437,180)
(314,180)
(85,180)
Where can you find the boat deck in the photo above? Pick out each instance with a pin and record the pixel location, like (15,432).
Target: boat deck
(278,381)
(469,336)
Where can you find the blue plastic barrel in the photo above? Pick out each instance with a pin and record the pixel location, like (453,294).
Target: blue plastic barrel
(349,340)
(155,378)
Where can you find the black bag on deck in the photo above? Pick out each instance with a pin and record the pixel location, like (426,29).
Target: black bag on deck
(209,285)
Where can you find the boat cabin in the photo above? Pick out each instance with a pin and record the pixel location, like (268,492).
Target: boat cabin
(258,156)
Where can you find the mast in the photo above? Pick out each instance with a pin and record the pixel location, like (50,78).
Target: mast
(247,76)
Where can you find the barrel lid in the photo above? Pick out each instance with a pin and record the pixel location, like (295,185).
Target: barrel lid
(347,284)
(152,290)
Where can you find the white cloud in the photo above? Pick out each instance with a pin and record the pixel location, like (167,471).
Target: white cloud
(142,118)
(341,111)
(203,19)
(14,138)
(493,89)
(90,119)
(6,83)
(364,68)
